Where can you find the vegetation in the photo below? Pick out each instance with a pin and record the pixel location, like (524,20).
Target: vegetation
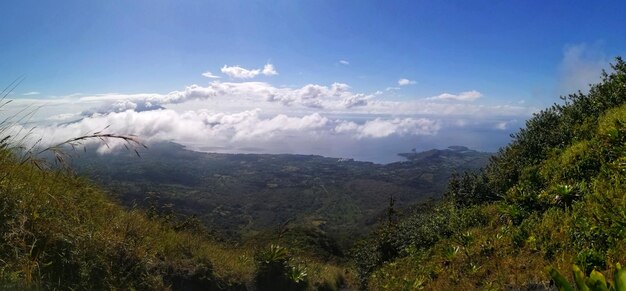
(595,281)
(553,196)
(251,197)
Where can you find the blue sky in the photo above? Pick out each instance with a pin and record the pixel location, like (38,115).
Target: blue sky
(512,53)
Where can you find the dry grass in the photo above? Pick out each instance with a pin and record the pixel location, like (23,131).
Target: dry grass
(49,216)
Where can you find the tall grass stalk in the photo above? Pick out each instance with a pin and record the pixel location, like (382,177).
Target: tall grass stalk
(15,137)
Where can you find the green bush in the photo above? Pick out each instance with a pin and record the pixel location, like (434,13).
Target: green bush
(276,270)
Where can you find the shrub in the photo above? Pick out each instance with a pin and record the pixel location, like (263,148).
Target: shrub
(277,271)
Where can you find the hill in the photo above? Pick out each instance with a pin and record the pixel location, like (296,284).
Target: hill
(62,232)
(553,197)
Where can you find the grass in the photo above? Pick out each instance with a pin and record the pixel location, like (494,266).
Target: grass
(487,259)
(61,231)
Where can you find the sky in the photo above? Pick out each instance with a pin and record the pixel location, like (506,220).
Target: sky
(357,79)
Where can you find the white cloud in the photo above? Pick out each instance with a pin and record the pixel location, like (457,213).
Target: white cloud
(63,116)
(379,128)
(501,125)
(344,62)
(238,72)
(31,93)
(337,96)
(581,65)
(392,88)
(268,70)
(405,82)
(463,96)
(210,75)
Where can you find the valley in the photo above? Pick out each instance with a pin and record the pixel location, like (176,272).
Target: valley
(241,195)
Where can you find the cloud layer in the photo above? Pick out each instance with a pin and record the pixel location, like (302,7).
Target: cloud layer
(241,129)
(331,119)
(333,97)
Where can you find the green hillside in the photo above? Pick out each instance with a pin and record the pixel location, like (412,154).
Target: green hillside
(553,197)
(61,232)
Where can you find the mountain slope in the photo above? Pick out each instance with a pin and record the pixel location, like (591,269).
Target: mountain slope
(58,231)
(554,196)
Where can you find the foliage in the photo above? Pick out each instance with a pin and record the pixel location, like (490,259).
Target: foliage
(469,189)
(421,230)
(277,271)
(595,282)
